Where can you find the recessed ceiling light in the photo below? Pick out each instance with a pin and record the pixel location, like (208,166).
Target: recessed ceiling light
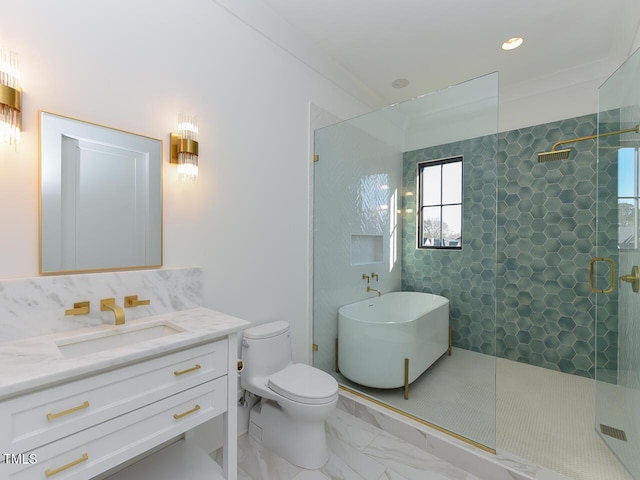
(512,43)
(400,83)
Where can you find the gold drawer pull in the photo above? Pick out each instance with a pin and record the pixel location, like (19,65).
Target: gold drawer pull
(53,416)
(182,372)
(49,473)
(178,416)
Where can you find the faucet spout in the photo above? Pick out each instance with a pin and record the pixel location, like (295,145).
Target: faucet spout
(110,304)
(369,289)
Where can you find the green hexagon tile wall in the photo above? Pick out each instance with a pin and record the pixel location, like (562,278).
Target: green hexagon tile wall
(530,273)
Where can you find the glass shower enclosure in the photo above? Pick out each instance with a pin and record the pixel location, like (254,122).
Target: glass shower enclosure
(365,235)
(615,276)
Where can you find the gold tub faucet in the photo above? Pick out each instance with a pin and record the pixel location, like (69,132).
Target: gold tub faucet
(369,289)
(110,304)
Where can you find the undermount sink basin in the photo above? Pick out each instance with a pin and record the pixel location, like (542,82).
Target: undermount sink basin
(122,336)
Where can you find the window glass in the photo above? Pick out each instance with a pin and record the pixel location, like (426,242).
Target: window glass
(431,183)
(451,225)
(440,203)
(431,225)
(452,183)
(628,198)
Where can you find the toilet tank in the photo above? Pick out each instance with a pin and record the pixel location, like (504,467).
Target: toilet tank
(266,349)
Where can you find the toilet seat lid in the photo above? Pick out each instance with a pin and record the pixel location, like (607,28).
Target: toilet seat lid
(304,384)
(266,330)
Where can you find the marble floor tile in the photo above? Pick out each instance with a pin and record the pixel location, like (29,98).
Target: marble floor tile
(391,475)
(412,462)
(350,463)
(259,463)
(338,469)
(390,422)
(351,430)
(311,475)
(358,451)
(242,475)
(483,464)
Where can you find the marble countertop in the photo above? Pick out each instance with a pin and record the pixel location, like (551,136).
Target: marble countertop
(36,362)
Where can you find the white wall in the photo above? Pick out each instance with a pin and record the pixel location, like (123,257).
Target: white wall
(134,66)
(556,95)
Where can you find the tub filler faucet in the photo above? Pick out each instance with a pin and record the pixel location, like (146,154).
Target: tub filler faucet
(369,289)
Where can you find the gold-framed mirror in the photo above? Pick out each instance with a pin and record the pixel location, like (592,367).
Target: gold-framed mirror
(100,197)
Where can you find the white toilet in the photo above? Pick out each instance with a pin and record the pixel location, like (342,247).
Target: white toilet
(296,398)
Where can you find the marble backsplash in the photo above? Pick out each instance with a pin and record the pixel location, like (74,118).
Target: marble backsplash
(35,306)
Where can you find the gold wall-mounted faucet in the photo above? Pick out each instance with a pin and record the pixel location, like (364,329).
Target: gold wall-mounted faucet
(369,289)
(107,304)
(374,275)
(365,277)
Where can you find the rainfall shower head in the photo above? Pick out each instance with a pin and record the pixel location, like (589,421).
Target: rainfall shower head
(554,154)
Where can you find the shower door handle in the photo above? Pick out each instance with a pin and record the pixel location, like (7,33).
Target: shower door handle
(612,271)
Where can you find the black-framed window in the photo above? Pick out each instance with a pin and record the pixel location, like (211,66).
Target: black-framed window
(439,208)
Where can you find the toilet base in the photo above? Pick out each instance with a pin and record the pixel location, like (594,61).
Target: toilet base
(301,442)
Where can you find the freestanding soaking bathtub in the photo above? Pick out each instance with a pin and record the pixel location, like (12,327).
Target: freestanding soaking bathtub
(389,341)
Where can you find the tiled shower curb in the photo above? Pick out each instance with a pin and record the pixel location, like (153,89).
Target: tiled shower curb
(483,464)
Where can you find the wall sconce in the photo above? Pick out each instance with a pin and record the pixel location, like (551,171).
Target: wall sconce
(184,147)
(10,98)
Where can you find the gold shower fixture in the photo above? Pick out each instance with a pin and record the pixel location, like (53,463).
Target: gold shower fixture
(563,154)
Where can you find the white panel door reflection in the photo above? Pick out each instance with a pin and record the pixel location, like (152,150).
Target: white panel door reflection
(104,206)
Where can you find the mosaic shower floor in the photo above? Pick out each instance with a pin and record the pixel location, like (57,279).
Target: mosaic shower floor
(543,416)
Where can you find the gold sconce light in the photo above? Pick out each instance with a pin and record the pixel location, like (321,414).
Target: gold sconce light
(10,98)
(184,147)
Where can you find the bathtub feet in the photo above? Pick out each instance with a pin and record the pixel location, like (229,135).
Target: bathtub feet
(406,379)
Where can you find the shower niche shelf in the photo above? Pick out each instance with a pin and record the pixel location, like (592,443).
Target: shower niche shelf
(366,249)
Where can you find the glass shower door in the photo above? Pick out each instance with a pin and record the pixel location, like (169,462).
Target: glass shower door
(615,274)
(365,235)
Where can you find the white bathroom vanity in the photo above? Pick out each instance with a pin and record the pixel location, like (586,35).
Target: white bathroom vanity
(79,404)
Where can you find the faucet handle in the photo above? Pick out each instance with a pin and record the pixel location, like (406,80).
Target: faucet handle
(132,301)
(374,275)
(365,277)
(79,308)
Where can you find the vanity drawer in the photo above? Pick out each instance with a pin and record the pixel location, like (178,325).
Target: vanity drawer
(95,450)
(45,416)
